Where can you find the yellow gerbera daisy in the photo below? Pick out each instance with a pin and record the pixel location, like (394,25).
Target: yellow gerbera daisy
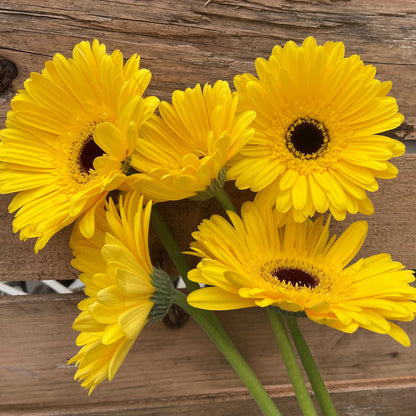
(183,152)
(316,145)
(296,268)
(68,136)
(120,285)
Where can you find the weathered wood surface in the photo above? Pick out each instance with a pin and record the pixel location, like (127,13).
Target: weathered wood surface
(179,372)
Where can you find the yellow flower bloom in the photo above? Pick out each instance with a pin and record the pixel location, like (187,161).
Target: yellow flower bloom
(316,145)
(297,268)
(68,136)
(117,271)
(184,150)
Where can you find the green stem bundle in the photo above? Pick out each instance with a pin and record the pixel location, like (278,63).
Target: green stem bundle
(321,393)
(295,375)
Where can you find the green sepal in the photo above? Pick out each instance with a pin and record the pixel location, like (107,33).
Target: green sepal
(212,189)
(162,298)
(126,167)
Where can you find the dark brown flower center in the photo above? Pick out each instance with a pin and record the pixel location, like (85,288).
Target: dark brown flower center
(307,138)
(295,276)
(89,151)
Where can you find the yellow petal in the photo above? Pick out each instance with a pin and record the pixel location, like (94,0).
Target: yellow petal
(111,140)
(118,357)
(348,244)
(133,320)
(216,299)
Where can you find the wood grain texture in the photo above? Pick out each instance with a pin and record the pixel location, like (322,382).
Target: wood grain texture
(178,371)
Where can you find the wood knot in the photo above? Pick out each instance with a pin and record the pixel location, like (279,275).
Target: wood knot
(8,73)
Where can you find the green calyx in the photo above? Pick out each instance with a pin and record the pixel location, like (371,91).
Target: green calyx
(126,167)
(212,189)
(162,298)
(300,314)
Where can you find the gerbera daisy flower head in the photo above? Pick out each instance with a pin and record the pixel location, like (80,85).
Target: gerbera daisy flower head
(124,291)
(69,137)
(299,269)
(183,152)
(317,144)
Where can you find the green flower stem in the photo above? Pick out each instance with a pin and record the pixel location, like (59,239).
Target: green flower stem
(295,375)
(210,324)
(225,200)
(172,248)
(311,369)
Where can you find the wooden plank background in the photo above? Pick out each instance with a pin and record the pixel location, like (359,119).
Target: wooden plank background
(172,372)
(169,370)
